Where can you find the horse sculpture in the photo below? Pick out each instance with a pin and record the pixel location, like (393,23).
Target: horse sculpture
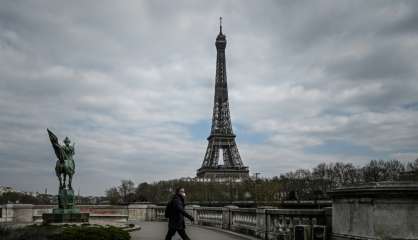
(65,165)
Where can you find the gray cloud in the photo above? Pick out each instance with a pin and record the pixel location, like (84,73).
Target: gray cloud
(126,81)
(385,62)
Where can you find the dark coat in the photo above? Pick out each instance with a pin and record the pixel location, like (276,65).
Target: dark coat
(177,213)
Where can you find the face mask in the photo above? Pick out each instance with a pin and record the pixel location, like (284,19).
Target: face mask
(183,194)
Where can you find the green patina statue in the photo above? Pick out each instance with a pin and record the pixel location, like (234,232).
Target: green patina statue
(65,167)
(65,164)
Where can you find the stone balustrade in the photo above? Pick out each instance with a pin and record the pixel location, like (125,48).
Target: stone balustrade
(281,223)
(263,223)
(210,216)
(243,220)
(155,213)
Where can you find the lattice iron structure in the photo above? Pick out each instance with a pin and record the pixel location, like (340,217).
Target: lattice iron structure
(221,141)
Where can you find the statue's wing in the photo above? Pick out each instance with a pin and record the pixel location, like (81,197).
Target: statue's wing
(55,145)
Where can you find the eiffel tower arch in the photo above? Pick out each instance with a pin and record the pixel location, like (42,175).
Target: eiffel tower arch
(222,159)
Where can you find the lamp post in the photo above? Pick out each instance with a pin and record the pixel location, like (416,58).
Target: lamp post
(231,198)
(255,188)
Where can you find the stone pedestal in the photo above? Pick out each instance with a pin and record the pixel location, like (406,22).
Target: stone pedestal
(66,211)
(65,218)
(66,198)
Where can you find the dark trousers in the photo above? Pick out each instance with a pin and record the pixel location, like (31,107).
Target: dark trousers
(172,231)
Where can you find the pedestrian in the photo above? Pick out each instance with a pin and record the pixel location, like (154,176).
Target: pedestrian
(175,213)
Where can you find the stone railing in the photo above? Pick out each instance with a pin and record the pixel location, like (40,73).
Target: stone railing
(281,223)
(155,213)
(243,220)
(263,223)
(209,216)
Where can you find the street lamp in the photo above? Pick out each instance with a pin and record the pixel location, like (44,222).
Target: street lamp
(255,188)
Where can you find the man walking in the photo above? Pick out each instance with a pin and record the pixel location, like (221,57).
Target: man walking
(175,213)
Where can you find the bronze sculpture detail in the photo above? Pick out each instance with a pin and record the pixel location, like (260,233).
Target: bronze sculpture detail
(65,165)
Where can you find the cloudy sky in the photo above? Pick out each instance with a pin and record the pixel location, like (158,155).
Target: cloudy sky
(131,82)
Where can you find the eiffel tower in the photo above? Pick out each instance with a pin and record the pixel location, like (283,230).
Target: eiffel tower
(222,159)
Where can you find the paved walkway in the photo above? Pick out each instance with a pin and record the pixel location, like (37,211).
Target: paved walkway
(157,231)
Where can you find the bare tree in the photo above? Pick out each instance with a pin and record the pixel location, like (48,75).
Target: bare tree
(371,172)
(127,190)
(382,170)
(113,195)
(413,166)
(320,171)
(392,170)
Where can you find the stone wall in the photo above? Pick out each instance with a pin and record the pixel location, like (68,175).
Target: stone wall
(28,213)
(21,213)
(385,210)
(141,212)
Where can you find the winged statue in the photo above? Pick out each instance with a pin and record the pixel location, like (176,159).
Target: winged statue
(65,166)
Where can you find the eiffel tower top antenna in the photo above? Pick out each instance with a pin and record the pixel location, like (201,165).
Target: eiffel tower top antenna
(220,25)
